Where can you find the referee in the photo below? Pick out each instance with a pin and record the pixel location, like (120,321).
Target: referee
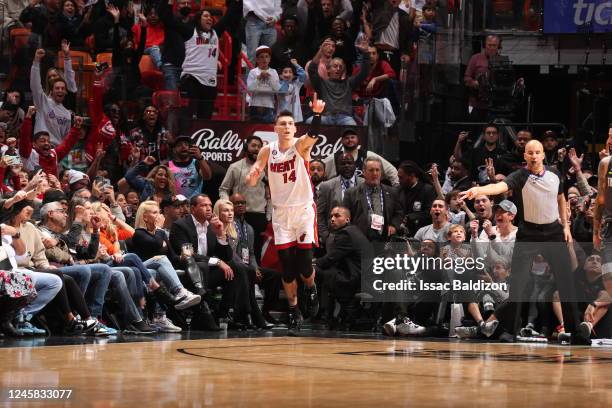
(538,192)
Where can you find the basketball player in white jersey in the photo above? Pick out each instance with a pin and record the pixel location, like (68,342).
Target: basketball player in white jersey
(293,216)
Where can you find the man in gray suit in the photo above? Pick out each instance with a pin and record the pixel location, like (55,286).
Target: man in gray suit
(331,192)
(374,207)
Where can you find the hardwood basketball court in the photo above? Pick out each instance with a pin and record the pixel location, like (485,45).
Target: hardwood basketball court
(313,371)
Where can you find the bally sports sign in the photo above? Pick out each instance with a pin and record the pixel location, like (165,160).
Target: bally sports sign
(223,141)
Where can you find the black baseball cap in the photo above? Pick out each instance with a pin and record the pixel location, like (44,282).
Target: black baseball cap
(183,139)
(173,200)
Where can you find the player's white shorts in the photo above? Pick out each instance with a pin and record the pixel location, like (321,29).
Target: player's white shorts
(295,226)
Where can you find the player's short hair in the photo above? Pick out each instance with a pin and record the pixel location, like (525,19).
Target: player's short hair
(284,113)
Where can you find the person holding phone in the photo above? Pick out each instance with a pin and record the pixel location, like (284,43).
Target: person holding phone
(189,167)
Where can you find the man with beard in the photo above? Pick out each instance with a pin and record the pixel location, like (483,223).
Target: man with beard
(235,182)
(290,46)
(415,195)
(514,160)
(459,177)
(37,151)
(190,169)
(331,192)
(437,231)
(538,191)
(350,145)
(374,207)
(317,175)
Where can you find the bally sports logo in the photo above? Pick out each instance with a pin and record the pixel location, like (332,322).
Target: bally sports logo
(224,146)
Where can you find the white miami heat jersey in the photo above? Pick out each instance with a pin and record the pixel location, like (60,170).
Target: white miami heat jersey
(288,177)
(201,56)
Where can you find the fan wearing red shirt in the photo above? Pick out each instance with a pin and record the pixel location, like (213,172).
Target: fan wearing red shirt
(37,151)
(375,84)
(155,36)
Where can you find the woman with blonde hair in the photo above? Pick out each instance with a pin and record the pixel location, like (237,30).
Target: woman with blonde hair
(246,303)
(157,185)
(150,242)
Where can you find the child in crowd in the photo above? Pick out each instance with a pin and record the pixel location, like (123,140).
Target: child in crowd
(458,250)
(292,78)
(457,209)
(262,84)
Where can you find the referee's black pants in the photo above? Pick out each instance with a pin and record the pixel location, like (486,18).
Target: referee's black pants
(549,241)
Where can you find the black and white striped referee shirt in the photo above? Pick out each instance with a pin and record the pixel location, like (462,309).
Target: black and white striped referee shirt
(536,195)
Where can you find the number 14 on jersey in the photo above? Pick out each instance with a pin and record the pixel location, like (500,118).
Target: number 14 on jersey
(290,177)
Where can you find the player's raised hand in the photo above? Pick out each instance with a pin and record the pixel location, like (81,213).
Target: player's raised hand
(316,104)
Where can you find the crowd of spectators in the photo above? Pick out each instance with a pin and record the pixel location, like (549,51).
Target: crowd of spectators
(114,223)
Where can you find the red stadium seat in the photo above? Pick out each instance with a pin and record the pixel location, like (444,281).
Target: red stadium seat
(151,76)
(105,57)
(77,57)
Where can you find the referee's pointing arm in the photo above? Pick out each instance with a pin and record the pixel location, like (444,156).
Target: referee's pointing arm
(489,189)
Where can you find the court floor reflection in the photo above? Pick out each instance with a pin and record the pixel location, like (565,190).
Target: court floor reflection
(314,372)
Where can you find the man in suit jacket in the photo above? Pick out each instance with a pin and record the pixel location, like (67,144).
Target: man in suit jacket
(211,250)
(374,207)
(340,269)
(268,279)
(331,192)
